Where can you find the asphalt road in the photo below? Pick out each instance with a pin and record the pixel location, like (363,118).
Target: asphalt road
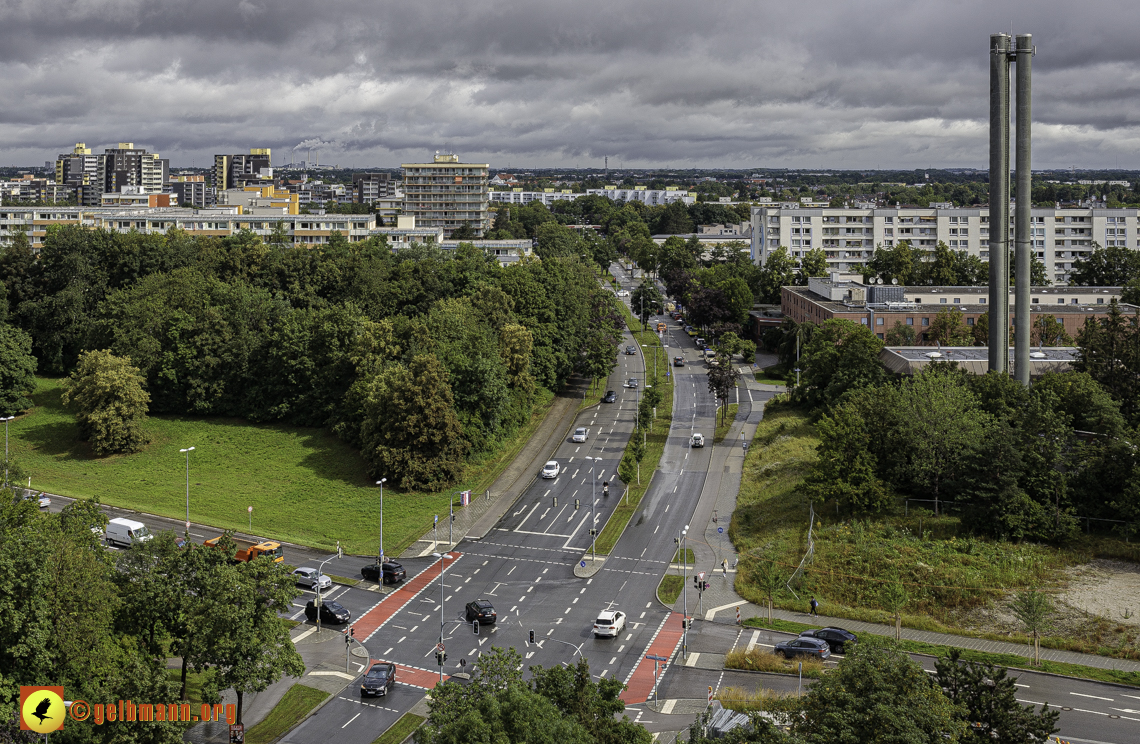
(525,567)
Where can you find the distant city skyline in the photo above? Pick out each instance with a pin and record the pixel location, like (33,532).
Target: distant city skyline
(730,84)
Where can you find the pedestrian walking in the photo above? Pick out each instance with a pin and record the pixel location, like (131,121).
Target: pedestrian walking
(724,567)
(814,607)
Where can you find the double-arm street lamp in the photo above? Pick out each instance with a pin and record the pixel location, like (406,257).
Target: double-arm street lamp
(443,558)
(593,506)
(188,450)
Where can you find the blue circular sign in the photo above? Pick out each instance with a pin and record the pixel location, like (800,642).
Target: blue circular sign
(582,564)
(720,530)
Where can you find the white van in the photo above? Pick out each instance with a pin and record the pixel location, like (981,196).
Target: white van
(125,532)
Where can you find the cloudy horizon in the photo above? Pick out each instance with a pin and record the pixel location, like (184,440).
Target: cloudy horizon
(835,85)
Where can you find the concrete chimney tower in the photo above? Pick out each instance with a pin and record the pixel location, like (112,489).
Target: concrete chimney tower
(999,203)
(1023,235)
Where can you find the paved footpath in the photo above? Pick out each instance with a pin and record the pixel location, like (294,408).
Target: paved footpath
(719,603)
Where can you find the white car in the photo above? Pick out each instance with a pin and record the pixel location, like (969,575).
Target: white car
(696,440)
(609,623)
(580,434)
(308,578)
(623,293)
(551,470)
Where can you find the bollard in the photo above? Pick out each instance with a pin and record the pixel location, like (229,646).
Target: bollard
(738,614)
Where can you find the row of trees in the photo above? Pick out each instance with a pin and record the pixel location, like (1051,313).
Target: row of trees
(1018,463)
(103,624)
(420,358)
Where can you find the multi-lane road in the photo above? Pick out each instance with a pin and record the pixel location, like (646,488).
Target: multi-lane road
(525,566)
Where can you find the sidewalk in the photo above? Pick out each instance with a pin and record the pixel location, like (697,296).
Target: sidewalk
(719,603)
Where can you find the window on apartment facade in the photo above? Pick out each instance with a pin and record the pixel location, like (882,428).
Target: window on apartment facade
(942,300)
(1035,300)
(910,321)
(863,320)
(926,321)
(969,321)
(879,335)
(957,300)
(1074,301)
(981,300)
(1100,300)
(1060,300)
(878,321)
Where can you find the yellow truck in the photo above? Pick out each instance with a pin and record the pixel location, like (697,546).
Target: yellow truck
(660,327)
(248,551)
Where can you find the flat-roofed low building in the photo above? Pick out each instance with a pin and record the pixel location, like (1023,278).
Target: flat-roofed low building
(909,360)
(546,196)
(652,197)
(406,233)
(881,306)
(505,251)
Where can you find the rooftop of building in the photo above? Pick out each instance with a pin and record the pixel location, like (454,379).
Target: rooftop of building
(974,359)
(861,306)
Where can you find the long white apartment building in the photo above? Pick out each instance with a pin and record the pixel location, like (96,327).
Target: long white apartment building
(849,236)
(518,196)
(652,197)
(302,229)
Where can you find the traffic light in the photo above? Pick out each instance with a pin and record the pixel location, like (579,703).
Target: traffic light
(440,657)
(475,627)
(706,585)
(577,503)
(532,636)
(593,533)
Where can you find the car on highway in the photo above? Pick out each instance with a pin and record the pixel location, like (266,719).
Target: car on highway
(632,382)
(678,361)
(803,647)
(41,499)
(390,572)
(481,610)
(551,469)
(580,434)
(609,397)
(332,613)
(308,578)
(631,350)
(697,440)
(837,639)
(623,293)
(378,679)
(609,623)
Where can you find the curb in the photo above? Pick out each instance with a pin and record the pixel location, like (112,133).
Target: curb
(310,714)
(592,566)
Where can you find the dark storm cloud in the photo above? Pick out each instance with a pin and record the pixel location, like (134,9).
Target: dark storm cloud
(829,83)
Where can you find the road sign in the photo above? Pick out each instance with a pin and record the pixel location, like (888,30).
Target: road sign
(187,525)
(250,510)
(701,575)
(720,530)
(582,564)
(656,658)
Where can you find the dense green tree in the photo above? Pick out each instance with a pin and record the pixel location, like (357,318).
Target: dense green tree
(17,370)
(846,469)
(674,219)
(410,433)
(1110,354)
(1113,266)
(738,299)
(813,263)
(778,271)
(840,358)
(1048,331)
(948,329)
(555,240)
(895,263)
(594,705)
(877,693)
(646,300)
(901,335)
(987,701)
(111,403)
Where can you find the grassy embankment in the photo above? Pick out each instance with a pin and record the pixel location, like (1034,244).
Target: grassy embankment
(763,660)
(952,578)
(401,729)
(656,434)
(305,485)
(295,705)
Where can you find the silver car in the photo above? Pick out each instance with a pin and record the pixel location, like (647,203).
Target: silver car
(551,470)
(580,434)
(308,578)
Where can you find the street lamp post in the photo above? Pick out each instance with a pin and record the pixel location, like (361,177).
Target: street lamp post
(6,420)
(381,483)
(187,451)
(320,573)
(685,589)
(593,505)
(442,573)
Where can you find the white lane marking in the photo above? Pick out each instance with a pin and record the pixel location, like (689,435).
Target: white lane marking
(512,570)
(1095,697)
(352,719)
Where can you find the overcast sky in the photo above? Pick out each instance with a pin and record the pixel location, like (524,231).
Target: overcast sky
(747,83)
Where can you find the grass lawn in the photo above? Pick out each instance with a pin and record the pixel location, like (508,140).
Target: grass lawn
(688,556)
(305,485)
(670,588)
(952,578)
(193,684)
(763,660)
(656,436)
(297,702)
(724,422)
(400,730)
(770,377)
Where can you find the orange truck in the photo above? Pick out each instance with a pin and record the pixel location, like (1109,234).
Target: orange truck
(248,551)
(660,327)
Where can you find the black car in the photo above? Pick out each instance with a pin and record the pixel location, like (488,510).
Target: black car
(481,610)
(378,680)
(803,647)
(679,361)
(609,397)
(837,638)
(393,573)
(332,613)
(631,350)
